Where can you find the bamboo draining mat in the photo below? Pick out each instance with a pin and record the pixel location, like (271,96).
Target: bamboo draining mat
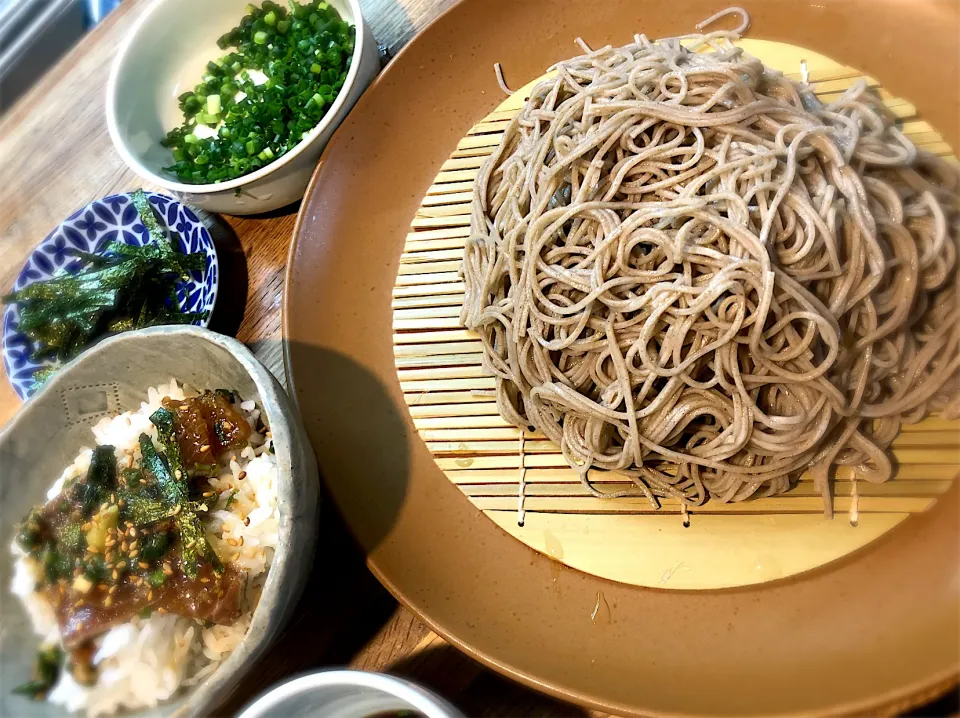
(449,397)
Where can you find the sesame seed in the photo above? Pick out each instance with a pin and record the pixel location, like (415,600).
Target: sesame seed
(150,595)
(246,521)
(241,540)
(108,601)
(93,549)
(121,503)
(134,554)
(207,494)
(122,565)
(113,590)
(232,542)
(124,546)
(143,564)
(110,543)
(143,481)
(178,474)
(102,586)
(132,533)
(115,575)
(241,476)
(113,498)
(205,448)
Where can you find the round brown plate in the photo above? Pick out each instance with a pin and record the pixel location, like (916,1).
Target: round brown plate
(875,632)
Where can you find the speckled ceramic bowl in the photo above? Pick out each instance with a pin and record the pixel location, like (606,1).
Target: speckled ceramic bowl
(112,377)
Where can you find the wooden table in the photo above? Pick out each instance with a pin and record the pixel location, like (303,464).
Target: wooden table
(55,156)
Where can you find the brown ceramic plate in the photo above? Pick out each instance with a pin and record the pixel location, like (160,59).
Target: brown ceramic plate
(875,632)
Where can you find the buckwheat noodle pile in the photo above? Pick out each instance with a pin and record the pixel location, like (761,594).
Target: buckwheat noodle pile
(684,267)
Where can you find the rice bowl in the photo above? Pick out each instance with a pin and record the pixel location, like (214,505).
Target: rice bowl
(148,659)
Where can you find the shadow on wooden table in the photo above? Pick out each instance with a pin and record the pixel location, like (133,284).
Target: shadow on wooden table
(232,291)
(342,607)
(287,210)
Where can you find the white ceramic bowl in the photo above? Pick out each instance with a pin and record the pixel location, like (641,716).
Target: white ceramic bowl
(165,55)
(348,694)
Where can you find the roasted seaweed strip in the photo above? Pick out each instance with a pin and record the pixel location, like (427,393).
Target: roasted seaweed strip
(124,288)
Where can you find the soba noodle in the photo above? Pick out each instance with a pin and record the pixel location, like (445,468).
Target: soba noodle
(685,268)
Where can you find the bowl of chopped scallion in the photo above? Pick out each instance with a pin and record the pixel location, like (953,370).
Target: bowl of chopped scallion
(228,104)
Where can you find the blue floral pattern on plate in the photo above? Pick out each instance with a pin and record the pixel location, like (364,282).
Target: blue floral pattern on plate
(90,229)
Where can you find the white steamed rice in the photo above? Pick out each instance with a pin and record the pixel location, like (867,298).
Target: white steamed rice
(146,661)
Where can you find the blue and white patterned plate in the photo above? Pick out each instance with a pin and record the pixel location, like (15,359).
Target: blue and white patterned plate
(90,229)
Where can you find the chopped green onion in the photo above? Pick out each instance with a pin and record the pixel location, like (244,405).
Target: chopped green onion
(304,54)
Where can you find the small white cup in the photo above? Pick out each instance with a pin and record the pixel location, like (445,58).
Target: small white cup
(347,694)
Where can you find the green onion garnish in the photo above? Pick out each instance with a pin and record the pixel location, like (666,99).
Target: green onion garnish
(305,53)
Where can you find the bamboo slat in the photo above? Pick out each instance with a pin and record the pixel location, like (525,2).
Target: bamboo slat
(938,474)
(453,407)
(787,504)
(922,488)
